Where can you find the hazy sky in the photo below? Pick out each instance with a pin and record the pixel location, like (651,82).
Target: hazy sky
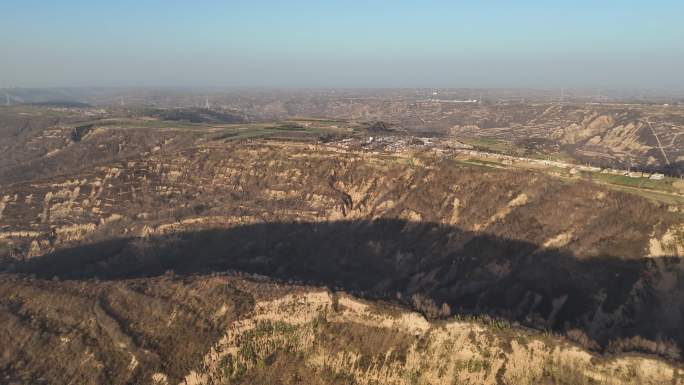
(350,43)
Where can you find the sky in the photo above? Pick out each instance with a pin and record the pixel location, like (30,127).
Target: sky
(352,43)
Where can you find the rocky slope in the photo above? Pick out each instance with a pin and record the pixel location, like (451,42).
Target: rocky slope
(83,251)
(561,251)
(122,332)
(332,338)
(225,329)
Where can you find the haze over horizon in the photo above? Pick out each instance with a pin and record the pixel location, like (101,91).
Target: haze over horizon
(350,192)
(528,44)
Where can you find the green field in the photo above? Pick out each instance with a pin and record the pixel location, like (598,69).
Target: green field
(323,121)
(227,132)
(286,130)
(489,144)
(658,190)
(664,185)
(506,147)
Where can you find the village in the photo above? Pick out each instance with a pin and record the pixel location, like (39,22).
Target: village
(451,147)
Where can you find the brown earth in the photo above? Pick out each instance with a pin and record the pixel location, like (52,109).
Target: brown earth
(119,259)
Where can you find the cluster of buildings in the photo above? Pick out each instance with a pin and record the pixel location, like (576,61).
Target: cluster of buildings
(392,143)
(573,169)
(634,174)
(389,143)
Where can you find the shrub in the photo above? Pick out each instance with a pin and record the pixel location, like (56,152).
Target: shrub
(428,307)
(663,347)
(581,338)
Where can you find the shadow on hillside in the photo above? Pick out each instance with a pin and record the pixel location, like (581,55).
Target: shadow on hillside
(471,272)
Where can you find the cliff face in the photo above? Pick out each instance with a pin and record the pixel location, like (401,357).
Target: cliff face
(338,339)
(531,248)
(121,332)
(222,329)
(279,182)
(124,254)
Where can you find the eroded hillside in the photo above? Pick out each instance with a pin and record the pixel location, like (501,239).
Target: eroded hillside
(224,329)
(97,234)
(91,332)
(538,249)
(328,339)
